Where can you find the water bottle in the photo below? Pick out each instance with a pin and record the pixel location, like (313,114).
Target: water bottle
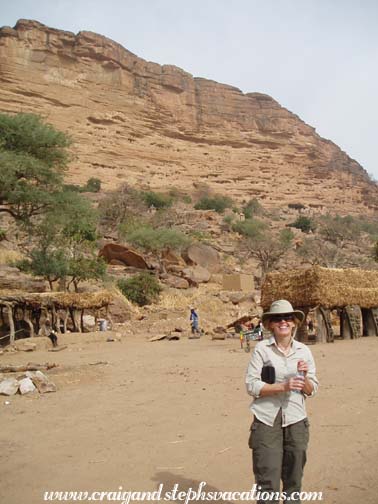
(301,375)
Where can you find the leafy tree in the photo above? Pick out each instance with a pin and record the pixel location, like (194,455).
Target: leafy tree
(52,265)
(303,223)
(157,200)
(156,240)
(65,241)
(250,228)
(33,158)
(141,289)
(217,203)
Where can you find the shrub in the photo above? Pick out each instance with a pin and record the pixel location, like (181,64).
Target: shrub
(2,234)
(286,236)
(217,202)
(251,228)
(155,240)
(141,289)
(296,206)
(252,208)
(303,223)
(93,185)
(187,199)
(157,200)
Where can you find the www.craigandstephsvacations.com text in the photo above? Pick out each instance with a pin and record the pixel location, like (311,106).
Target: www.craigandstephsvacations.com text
(174,493)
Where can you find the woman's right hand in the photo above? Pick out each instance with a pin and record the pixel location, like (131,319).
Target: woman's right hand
(295,383)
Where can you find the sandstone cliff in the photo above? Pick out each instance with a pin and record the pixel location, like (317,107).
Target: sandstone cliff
(143,123)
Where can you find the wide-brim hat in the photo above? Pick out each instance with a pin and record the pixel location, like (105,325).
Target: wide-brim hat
(282,307)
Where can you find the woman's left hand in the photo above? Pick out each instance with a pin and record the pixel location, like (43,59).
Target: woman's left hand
(302,366)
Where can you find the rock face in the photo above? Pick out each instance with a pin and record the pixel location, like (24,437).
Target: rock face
(140,122)
(13,279)
(113,253)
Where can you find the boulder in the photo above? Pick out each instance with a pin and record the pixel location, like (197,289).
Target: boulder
(203,255)
(24,345)
(9,386)
(89,321)
(196,275)
(41,381)
(176,282)
(169,257)
(26,386)
(122,255)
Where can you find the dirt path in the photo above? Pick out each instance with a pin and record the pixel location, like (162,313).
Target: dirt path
(177,412)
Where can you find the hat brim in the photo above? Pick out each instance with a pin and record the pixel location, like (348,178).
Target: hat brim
(297,314)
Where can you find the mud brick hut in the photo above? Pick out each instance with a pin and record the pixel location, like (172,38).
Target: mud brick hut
(26,314)
(349,295)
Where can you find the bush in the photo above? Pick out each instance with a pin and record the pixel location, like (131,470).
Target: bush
(157,200)
(93,185)
(217,202)
(303,223)
(157,239)
(187,199)
(141,289)
(2,234)
(286,236)
(252,208)
(296,206)
(251,228)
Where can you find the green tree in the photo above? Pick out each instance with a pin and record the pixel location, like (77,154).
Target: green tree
(52,265)
(157,200)
(156,240)
(141,289)
(250,228)
(218,203)
(65,243)
(33,158)
(303,223)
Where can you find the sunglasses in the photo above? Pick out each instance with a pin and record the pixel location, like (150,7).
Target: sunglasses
(277,318)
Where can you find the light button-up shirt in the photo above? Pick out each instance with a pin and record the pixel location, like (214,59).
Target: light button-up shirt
(266,353)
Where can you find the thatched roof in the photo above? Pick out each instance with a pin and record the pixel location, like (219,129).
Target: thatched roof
(78,301)
(331,288)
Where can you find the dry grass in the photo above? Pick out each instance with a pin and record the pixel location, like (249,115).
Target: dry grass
(9,256)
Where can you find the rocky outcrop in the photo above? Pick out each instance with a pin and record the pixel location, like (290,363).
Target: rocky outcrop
(203,255)
(140,122)
(13,279)
(113,253)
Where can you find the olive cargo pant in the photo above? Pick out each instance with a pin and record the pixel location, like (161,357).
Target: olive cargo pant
(279,453)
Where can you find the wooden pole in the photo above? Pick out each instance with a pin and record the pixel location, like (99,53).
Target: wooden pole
(29,322)
(11,322)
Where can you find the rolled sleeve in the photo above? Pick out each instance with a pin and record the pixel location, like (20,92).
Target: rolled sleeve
(311,375)
(253,380)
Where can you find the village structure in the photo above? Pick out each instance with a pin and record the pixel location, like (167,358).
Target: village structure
(343,298)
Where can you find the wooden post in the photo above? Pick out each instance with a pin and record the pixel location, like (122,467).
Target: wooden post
(29,322)
(323,324)
(11,322)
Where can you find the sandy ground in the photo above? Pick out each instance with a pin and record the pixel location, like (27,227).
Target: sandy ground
(177,412)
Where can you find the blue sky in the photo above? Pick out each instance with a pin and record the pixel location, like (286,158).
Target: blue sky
(317,58)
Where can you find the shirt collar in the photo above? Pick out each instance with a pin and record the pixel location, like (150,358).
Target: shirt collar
(293,342)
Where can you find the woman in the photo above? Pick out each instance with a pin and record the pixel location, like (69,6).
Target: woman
(280,430)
